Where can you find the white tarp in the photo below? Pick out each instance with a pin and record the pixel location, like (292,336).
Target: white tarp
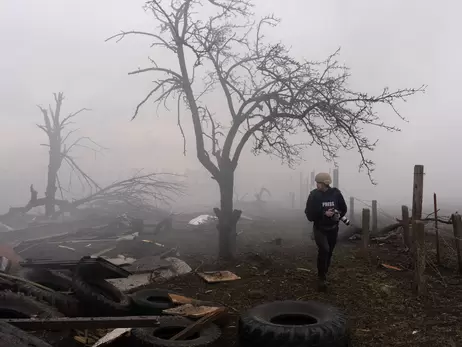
(202,219)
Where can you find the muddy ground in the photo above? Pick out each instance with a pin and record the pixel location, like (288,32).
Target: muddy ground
(379,302)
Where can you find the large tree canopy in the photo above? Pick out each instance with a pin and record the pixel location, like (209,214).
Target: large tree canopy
(269,94)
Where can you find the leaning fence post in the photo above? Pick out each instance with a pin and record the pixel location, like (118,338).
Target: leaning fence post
(366,218)
(457,226)
(374,218)
(406,228)
(437,236)
(419,258)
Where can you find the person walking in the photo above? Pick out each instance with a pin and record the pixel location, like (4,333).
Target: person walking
(324,207)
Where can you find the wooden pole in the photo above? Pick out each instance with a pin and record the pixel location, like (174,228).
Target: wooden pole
(437,237)
(352,210)
(366,218)
(312,180)
(417,199)
(419,258)
(417,193)
(457,226)
(335,180)
(375,227)
(406,228)
(301,189)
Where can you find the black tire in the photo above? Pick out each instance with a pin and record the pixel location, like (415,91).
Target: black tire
(101,296)
(52,279)
(293,324)
(17,305)
(6,284)
(169,326)
(11,336)
(151,301)
(66,304)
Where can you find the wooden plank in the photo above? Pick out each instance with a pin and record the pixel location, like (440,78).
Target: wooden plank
(83,323)
(191,311)
(199,325)
(218,276)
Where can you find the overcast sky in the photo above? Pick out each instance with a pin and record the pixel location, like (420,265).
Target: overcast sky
(58,45)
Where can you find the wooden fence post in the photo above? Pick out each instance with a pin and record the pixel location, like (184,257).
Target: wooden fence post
(335,179)
(417,199)
(417,193)
(435,209)
(366,219)
(457,226)
(406,231)
(301,190)
(375,227)
(419,258)
(352,210)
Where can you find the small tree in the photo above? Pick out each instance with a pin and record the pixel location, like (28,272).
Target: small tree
(269,94)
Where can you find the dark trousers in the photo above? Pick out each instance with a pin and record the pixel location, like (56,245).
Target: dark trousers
(326,241)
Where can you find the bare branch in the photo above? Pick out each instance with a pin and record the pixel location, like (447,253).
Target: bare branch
(270,95)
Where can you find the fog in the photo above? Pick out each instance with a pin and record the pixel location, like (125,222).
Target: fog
(59,45)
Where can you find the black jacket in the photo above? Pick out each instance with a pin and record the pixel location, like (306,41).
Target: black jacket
(319,202)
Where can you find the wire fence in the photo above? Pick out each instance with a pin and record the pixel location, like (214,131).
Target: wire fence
(441,242)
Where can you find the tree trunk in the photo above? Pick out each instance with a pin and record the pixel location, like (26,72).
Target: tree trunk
(53,167)
(227,217)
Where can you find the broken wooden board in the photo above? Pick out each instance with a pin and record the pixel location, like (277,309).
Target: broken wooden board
(199,324)
(112,336)
(191,311)
(218,276)
(180,300)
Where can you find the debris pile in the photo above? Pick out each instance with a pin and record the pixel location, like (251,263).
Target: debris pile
(88,301)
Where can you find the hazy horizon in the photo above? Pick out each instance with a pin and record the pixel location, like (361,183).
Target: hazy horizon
(52,46)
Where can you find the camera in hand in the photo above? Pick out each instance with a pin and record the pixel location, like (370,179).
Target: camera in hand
(343,219)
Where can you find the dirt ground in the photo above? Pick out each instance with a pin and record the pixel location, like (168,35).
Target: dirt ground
(379,302)
(381,306)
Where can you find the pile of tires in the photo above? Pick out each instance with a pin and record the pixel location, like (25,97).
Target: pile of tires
(57,281)
(293,324)
(91,297)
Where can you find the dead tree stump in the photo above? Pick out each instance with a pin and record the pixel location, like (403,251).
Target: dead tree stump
(419,285)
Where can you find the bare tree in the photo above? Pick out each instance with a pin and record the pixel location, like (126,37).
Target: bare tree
(60,147)
(142,190)
(269,94)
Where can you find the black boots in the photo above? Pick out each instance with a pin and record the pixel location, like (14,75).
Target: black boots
(322,285)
